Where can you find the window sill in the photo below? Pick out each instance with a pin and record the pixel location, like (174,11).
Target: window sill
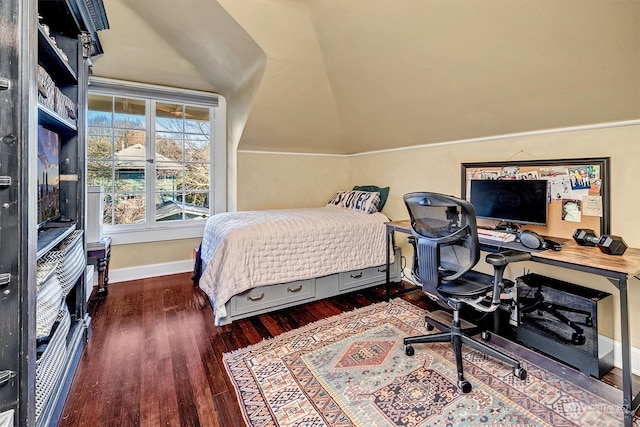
(129,236)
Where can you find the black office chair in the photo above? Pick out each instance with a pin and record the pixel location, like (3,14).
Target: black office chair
(446,243)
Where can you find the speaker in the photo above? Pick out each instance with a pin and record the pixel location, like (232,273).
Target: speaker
(533,240)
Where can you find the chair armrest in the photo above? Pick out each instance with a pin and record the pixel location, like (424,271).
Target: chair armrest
(499,262)
(507,257)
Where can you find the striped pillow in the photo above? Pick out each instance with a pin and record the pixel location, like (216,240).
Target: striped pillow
(365,201)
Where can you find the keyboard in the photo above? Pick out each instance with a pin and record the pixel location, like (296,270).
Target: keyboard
(495,235)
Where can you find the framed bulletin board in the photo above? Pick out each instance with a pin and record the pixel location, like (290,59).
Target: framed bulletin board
(577,196)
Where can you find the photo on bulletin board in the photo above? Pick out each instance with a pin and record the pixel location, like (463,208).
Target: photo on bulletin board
(577,190)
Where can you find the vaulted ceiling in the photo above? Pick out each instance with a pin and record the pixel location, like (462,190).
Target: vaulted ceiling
(347,76)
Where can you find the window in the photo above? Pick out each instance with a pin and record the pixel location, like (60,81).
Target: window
(157,154)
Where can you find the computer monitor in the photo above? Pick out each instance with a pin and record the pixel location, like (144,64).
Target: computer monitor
(512,202)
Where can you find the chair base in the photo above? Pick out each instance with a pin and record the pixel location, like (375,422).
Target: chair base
(459,336)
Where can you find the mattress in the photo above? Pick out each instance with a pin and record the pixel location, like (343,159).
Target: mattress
(244,250)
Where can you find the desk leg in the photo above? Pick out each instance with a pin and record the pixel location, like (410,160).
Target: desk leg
(106,270)
(388,270)
(629,404)
(103,279)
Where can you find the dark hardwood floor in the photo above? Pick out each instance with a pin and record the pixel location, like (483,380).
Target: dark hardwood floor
(154,357)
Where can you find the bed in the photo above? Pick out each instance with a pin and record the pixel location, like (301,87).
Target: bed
(253,262)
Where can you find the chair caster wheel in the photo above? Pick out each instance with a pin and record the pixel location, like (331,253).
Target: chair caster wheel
(520,373)
(485,335)
(465,386)
(409,351)
(429,326)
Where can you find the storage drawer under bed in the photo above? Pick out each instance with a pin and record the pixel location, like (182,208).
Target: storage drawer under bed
(268,298)
(350,280)
(273,295)
(355,278)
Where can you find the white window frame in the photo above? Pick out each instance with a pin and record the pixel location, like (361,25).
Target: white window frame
(172,230)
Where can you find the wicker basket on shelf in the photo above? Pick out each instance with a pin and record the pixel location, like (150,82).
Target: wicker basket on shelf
(50,364)
(64,106)
(46,89)
(48,298)
(70,259)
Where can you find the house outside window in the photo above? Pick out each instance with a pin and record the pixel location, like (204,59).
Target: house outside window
(156,153)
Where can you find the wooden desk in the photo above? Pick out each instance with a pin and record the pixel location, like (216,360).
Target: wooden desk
(617,269)
(100,253)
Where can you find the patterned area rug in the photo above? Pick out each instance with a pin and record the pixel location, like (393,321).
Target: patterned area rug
(351,370)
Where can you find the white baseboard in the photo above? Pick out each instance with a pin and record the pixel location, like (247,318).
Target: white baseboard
(152,270)
(617,356)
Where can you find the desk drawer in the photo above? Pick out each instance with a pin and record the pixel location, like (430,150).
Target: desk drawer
(273,295)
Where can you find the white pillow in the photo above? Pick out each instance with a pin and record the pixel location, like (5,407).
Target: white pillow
(365,201)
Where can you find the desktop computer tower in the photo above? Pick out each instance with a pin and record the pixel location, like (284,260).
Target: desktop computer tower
(561,319)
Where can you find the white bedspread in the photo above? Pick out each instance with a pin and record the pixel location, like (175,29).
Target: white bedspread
(242,250)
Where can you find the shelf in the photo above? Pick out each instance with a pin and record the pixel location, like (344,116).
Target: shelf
(56,66)
(61,15)
(49,118)
(49,237)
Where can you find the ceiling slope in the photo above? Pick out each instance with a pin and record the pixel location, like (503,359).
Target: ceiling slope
(416,72)
(359,75)
(294,108)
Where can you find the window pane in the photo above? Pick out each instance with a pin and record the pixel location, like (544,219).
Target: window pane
(197,120)
(100,173)
(168,208)
(100,110)
(197,176)
(196,148)
(170,117)
(128,138)
(168,147)
(108,210)
(197,204)
(130,177)
(168,178)
(175,206)
(129,209)
(99,143)
(129,113)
